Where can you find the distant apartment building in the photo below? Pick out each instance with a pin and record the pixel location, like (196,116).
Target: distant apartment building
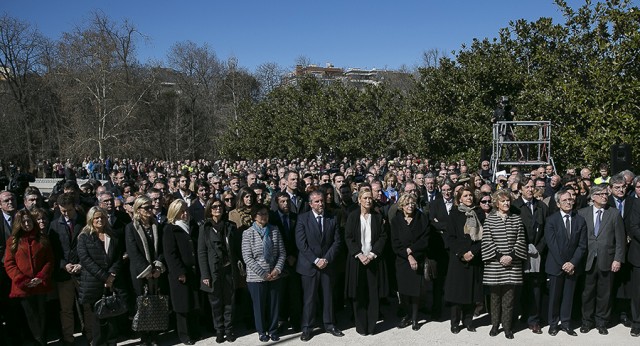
(357,77)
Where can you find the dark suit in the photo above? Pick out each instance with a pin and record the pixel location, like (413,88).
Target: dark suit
(196,210)
(602,250)
(563,249)
(291,308)
(300,206)
(634,259)
(533,284)
(64,242)
(191,196)
(314,244)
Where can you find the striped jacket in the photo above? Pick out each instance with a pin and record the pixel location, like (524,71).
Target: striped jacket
(503,237)
(257,267)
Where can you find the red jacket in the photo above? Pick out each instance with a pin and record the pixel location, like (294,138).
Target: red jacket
(31,260)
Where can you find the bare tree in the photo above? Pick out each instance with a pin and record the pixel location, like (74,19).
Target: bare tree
(21,48)
(198,75)
(97,69)
(269,75)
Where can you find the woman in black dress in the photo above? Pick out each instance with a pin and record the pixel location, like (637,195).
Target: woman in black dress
(410,239)
(463,286)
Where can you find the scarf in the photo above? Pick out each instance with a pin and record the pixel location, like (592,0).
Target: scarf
(183,224)
(472,226)
(267,243)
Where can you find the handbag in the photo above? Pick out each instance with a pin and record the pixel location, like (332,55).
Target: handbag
(110,306)
(430,270)
(152,312)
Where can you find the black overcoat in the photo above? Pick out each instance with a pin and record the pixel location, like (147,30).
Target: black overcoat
(354,268)
(416,237)
(179,249)
(464,279)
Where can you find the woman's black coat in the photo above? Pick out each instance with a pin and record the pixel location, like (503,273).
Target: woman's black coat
(355,268)
(464,279)
(180,255)
(97,266)
(210,246)
(416,237)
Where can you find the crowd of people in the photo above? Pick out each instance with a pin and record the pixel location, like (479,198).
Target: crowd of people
(266,245)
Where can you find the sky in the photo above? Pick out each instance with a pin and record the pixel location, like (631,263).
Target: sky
(364,34)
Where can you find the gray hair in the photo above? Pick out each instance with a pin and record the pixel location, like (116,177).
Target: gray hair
(597,189)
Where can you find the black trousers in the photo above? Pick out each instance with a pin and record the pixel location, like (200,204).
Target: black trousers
(597,297)
(266,305)
(366,304)
(312,286)
(561,291)
(531,298)
(462,312)
(187,325)
(635,296)
(34,311)
(291,304)
(221,302)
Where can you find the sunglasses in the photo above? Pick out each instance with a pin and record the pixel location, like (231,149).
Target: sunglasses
(147,207)
(216,206)
(485,202)
(228,199)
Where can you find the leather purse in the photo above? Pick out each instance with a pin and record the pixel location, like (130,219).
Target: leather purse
(110,306)
(430,270)
(152,312)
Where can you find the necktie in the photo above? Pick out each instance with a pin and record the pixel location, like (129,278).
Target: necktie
(567,225)
(320,223)
(70,224)
(598,219)
(620,209)
(294,200)
(10,222)
(529,206)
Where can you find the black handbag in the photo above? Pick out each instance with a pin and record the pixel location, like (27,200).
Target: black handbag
(110,306)
(152,312)
(430,270)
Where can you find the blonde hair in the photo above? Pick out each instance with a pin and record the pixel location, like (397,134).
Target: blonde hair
(406,199)
(175,209)
(137,204)
(91,215)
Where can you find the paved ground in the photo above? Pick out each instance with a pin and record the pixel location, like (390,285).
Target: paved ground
(433,333)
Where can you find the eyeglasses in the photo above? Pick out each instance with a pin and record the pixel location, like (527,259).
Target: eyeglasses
(515,191)
(216,206)
(147,207)
(485,202)
(228,199)
(130,203)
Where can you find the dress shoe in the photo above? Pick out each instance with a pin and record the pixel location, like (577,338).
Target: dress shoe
(415,325)
(553,331)
(404,322)
(335,331)
(635,332)
(306,336)
(189,342)
(219,338)
(603,330)
(264,337)
(569,331)
(535,328)
(455,329)
(231,337)
(508,334)
(494,331)
(275,337)
(471,329)
(584,329)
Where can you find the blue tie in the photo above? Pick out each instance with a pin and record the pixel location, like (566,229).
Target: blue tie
(598,220)
(620,209)
(320,223)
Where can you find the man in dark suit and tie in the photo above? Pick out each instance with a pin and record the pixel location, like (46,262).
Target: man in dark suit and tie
(285,220)
(533,215)
(318,241)
(566,236)
(634,259)
(297,200)
(606,245)
(9,328)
